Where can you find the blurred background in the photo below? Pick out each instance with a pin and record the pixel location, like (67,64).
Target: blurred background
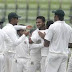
(30,9)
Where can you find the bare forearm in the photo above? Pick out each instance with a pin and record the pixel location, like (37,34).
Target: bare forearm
(30,41)
(70,45)
(46,43)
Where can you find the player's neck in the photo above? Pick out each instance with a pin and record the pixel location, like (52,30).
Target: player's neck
(43,28)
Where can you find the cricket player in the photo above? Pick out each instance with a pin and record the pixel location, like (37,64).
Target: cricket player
(2,48)
(12,34)
(22,52)
(58,37)
(40,22)
(69,69)
(3,37)
(35,54)
(44,50)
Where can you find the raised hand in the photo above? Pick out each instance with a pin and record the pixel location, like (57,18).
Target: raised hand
(26,33)
(29,27)
(42,35)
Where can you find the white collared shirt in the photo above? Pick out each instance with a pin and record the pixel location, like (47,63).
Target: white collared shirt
(59,34)
(12,34)
(35,37)
(2,38)
(22,50)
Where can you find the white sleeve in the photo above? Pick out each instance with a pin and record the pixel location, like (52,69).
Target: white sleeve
(13,36)
(49,34)
(70,41)
(35,36)
(34,46)
(18,27)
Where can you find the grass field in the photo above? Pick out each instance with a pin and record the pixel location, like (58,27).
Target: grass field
(34,8)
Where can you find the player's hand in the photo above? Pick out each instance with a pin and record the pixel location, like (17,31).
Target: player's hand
(29,27)
(26,33)
(42,35)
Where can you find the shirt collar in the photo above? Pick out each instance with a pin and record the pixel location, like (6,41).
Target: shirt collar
(8,24)
(61,21)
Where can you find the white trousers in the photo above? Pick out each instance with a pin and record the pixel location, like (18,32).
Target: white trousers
(43,59)
(23,64)
(70,65)
(2,63)
(9,62)
(35,62)
(56,62)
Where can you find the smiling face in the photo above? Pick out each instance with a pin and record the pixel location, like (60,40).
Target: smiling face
(40,24)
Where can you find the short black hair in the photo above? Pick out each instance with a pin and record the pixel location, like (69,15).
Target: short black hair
(61,18)
(48,23)
(41,17)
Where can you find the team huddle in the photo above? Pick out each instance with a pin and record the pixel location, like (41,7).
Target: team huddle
(45,49)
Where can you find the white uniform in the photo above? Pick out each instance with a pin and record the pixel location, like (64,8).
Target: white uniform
(70,65)
(69,69)
(35,53)
(23,56)
(44,50)
(34,56)
(59,35)
(2,48)
(10,46)
(3,37)
(44,53)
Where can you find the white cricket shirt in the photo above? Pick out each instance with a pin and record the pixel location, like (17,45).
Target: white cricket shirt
(59,34)
(22,50)
(35,37)
(12,34)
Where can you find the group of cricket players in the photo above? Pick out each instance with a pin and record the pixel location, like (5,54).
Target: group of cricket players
(44,49)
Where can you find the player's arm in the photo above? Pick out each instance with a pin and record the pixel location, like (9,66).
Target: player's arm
(30,41)
(70,45)
(18,27)
(48,37)
(33,38)
(70,40)
(46,43)
(42,35)
(36,46)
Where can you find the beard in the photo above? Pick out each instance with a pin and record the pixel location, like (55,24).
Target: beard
(15,24)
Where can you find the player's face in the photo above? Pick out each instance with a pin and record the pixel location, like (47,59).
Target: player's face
(22,31)
(39,23)
(55,18)
(15,21)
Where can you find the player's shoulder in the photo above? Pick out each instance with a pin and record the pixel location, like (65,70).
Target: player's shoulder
(68,26)
(35,31)
(52,26)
